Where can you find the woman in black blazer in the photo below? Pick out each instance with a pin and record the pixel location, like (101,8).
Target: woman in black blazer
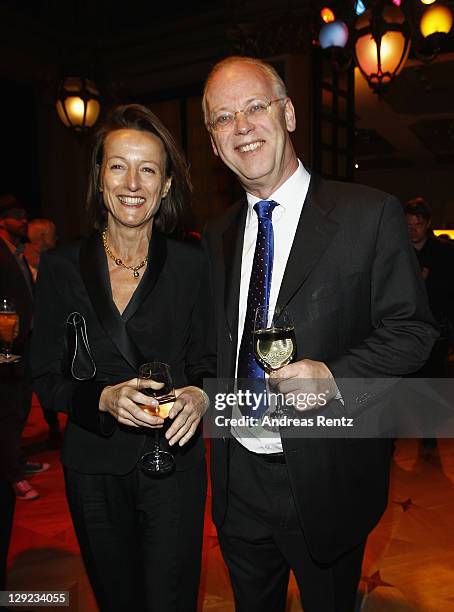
(145,297)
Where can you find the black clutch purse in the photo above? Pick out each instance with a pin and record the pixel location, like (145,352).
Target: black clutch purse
(78,362)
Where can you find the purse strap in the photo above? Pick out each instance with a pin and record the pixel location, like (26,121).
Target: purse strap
(81,364)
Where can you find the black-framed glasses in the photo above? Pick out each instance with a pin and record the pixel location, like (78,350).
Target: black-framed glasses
(224,120)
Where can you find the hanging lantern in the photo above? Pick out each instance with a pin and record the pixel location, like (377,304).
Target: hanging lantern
(437,19)
(78,103)
(382,44)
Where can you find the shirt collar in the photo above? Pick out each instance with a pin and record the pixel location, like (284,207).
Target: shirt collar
(286,194)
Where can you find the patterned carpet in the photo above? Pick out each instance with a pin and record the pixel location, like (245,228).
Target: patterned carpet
(409,563)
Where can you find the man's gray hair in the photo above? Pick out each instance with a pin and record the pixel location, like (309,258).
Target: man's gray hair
(278,84)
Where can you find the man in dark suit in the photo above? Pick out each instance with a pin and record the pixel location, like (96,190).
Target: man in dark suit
(337,256)
(16,284)
(436,260)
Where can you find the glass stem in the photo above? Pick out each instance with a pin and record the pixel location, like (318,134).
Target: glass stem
(156,440)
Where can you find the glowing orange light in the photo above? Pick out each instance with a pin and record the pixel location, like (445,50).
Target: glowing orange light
(327,15)
(78,103)
(436,19)
(392,48)
(75,107)
(449,232)
(381,57)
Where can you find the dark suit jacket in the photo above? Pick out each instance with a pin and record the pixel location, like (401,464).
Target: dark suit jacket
(14,286)
(165,320)
(352,287)
(437,258)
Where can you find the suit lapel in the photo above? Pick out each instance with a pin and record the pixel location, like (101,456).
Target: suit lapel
(233,250)
(95,275)
(314,233)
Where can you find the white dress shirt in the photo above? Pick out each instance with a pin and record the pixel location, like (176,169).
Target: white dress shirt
(290,196)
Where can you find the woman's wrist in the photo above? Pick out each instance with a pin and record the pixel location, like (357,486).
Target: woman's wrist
(102,403)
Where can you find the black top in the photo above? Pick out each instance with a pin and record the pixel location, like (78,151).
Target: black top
(165,320)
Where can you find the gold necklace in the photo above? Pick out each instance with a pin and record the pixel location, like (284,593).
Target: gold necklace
(118,261)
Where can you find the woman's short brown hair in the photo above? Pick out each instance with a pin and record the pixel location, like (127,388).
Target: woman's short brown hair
(174,210)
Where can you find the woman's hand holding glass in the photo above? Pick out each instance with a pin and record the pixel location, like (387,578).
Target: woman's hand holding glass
(129,406)
(186,413)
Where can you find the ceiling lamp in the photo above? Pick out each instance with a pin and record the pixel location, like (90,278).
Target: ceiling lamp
(382,43)
(437,19)
(381,36)
(78,103)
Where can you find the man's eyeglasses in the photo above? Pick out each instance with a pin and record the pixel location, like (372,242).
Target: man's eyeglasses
(224,120)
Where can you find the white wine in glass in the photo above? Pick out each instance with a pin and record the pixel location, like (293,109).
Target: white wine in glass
(155,380)
(274,345)
(274,338)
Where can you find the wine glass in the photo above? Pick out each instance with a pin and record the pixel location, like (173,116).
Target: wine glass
(274,343)
(274,338)
(155,380)
(9,328)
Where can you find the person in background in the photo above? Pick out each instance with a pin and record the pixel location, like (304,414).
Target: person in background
(436,261)
(7,504)
(145,296)
(344,269)
(42,235)
(16,283)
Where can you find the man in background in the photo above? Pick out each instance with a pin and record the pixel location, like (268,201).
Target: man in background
(436,260)
(16,283)
(42,234)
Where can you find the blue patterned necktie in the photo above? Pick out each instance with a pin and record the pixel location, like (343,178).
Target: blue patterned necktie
(259,289)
